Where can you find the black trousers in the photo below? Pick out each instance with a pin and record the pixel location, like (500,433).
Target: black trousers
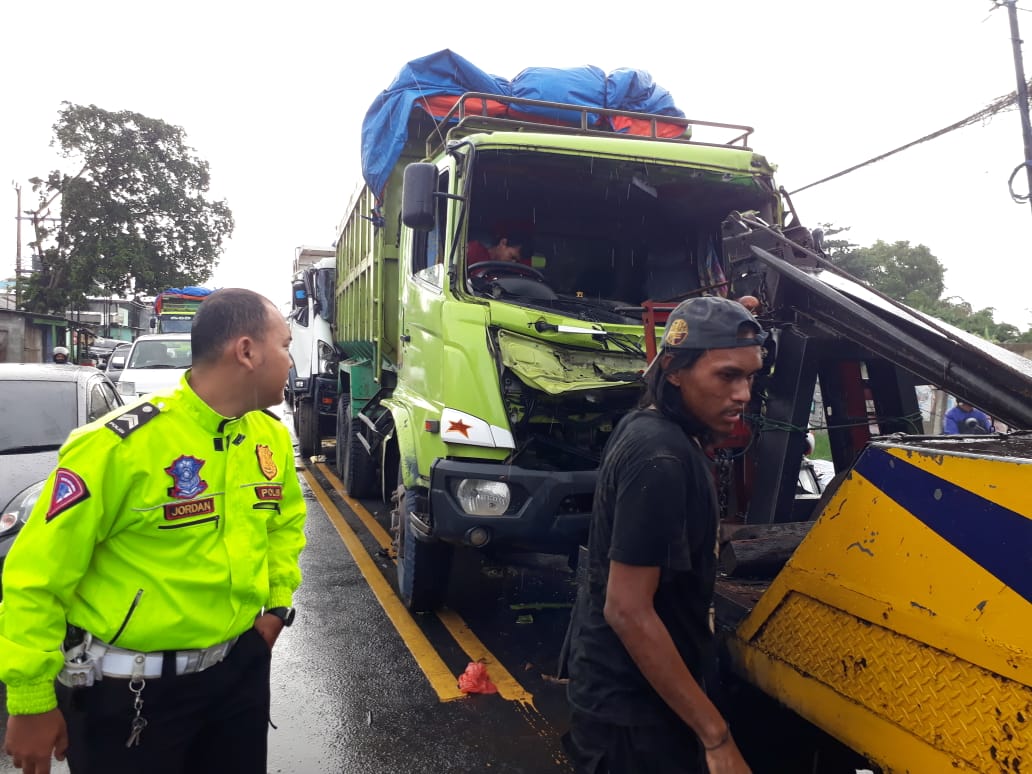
(212,721)
(594,747)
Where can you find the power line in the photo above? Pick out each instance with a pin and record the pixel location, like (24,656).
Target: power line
(997,105)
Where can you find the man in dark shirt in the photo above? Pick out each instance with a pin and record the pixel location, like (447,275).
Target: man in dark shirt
(642,635)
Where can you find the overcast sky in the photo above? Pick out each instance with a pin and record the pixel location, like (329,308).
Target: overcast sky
(273,95)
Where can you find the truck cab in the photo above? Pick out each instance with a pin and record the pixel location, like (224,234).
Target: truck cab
(311,388)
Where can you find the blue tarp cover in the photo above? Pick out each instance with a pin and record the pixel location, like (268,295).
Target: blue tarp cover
(384,130)
(189,291)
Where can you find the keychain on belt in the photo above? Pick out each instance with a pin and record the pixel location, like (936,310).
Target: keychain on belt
(136,686)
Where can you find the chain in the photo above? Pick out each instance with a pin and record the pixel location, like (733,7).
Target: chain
(724,467)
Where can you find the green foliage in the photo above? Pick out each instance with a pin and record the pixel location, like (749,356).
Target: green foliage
(913,275)
(135,216)
(821,445)
(897,270)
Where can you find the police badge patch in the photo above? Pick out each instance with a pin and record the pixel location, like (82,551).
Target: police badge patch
(69,489)
(187,474)
(266,461)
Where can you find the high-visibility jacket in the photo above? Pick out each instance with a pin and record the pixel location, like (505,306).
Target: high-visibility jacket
(165,526)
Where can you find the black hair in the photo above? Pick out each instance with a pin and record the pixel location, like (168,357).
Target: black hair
(225,315)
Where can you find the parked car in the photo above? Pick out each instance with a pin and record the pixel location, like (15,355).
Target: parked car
(40,404)
(156,361)
(102,348)
(116,360)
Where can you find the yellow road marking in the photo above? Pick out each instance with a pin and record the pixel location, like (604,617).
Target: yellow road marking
(508,686)
(441,678)
(371,524)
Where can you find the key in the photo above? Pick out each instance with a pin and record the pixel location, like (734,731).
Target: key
(134,736)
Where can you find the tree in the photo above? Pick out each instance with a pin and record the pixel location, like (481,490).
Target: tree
(133,216)
(897,270)
(915,276)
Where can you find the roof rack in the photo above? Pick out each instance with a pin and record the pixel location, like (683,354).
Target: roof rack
(466,122)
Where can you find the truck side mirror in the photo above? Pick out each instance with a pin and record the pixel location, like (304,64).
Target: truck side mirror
(153,323)
(116,363)
(299,293)
(417,196)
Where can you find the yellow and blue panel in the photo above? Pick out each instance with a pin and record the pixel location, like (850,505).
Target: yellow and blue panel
(903,622)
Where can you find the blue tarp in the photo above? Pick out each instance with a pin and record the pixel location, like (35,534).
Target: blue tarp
(189,291)
(384,130)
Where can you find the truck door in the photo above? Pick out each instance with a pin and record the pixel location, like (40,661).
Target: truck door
(422,296)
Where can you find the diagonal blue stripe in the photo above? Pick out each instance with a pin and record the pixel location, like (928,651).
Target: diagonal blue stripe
(997,538)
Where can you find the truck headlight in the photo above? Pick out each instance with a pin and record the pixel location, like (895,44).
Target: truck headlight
(483,498)
(127,388)
(16,513)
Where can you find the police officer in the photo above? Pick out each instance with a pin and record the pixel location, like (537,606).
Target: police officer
(158,568)
(60,355)
(641,638)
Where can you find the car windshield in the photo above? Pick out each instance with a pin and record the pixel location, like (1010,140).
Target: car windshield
(36,414)
(161,354)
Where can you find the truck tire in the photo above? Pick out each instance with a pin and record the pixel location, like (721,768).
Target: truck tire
(358,472)
(308,441)
(423,567)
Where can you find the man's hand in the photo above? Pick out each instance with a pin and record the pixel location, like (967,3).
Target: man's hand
(269,626)
(32,739)
(726,759)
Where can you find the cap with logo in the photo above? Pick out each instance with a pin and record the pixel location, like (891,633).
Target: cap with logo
(708,322)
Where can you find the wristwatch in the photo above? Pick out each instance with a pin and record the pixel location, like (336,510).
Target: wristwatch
(285,614)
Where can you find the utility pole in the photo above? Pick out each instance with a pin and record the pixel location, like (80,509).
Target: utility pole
(17,249)
(1026,127)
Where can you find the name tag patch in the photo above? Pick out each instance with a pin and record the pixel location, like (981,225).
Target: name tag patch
(269,492)
(203,507)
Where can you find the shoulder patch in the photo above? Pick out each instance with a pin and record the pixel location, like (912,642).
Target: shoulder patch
(69,489)
(133,419)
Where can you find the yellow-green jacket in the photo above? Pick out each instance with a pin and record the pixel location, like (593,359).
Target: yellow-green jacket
(164,527)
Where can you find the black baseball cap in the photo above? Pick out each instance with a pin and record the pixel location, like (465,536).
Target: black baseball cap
(708,322)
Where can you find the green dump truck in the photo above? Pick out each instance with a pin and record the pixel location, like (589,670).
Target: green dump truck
(482,394)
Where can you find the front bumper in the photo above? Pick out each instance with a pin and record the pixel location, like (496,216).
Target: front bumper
(550,510)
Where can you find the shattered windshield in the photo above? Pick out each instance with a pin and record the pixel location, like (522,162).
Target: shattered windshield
(598,236)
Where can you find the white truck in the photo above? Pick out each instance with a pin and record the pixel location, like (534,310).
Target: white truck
(312,386)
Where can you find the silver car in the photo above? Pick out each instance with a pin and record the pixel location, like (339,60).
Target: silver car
(40,404)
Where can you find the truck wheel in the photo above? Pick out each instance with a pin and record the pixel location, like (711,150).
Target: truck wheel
(359,473)
(308,442)
(423,567)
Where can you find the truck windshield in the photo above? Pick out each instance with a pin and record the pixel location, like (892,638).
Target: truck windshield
(607,233)
(174,325)
(325,280)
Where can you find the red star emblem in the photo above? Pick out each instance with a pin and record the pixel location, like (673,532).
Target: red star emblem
(459,427)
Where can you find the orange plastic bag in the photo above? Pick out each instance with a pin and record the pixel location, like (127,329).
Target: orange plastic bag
(476,680)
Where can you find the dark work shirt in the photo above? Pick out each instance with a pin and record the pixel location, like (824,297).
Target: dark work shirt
(655,506)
